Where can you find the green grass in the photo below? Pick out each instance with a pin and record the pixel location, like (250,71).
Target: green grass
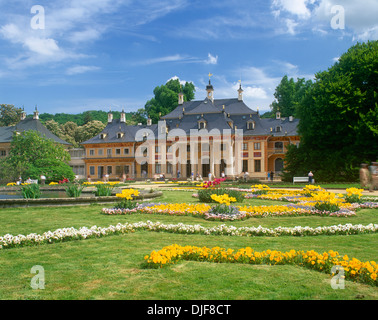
(111,267)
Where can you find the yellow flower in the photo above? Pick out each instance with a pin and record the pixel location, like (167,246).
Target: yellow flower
(128,194)
(11,184)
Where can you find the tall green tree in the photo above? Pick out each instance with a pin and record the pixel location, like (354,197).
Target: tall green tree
(9,115)
(88,131)
(339,117)
(289,96)
(165,98)
(31,155)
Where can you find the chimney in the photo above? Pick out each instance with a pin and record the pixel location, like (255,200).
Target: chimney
(278,115)
(123,116)
(149,122)
(23,115)
(36,114)
(291,118)
(181,98)
(110,116)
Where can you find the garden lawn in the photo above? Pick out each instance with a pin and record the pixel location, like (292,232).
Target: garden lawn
(111,267)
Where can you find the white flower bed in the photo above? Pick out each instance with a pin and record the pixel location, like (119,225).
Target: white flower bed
(67,234)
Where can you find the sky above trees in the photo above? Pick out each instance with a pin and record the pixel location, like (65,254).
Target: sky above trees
(73,56)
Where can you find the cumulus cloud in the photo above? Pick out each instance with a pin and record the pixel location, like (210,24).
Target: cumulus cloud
(295,7)
(360,17)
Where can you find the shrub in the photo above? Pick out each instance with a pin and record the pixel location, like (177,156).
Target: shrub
(74,190)
(103,190)
(31,191)
(327,206)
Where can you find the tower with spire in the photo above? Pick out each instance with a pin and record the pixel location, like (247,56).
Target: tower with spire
(240,92)
(210,89)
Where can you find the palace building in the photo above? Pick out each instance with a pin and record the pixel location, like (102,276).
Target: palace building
(197,137)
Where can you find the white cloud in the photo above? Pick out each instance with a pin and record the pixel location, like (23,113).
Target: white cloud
(71,24)
(43,46)
(291,24)
(179,58)
(294,7)
(171,58)
(177,78)
(360,17)
(80,69)
(211,59)
(46,47)
(300,15)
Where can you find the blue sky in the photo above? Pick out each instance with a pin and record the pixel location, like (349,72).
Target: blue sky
(102,54)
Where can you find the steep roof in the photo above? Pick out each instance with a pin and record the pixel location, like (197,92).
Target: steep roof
(112,129)
(6,133)
(231,106)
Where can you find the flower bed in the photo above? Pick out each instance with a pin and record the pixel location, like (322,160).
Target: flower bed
(69,234)
(355,270)
(205,210)
(320,203)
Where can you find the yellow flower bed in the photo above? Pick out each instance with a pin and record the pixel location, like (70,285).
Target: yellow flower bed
(354,191)
(111,183)
(53,183)
(177,208)
(128,194)
(263,210)
(223,199)
(309,195)
(355,270)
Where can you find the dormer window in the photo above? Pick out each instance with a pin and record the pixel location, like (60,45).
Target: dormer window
(278,129)
(120,135)
(103,136)
(202,124)
(250,125)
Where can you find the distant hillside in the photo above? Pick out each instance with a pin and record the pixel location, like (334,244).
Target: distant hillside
(82,118)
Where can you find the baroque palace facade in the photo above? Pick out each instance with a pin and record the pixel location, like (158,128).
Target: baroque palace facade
(197,137)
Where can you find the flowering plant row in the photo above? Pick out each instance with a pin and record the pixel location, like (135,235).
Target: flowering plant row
(355,270)
(69,234)
(226,230)
(205,210)
(61,235)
